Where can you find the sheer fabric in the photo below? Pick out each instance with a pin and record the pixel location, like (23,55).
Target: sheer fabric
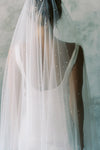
(83,16)
(36,110)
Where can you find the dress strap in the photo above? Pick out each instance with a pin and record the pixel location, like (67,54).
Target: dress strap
(71,63)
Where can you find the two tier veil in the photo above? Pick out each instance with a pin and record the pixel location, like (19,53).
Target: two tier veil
(36,111)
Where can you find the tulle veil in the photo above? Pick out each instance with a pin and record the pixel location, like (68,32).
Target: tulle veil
(36,112)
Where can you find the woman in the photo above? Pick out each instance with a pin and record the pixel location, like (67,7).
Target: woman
(37,110)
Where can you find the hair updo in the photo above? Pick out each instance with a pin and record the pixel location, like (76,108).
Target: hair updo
(49,9)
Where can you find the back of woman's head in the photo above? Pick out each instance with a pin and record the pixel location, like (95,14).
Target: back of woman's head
(50,10)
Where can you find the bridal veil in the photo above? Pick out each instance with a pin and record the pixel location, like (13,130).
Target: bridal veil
(37,112)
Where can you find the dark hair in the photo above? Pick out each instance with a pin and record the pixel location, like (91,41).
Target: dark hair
(49,9)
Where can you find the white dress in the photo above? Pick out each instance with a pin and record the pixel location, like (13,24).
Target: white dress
(83,27)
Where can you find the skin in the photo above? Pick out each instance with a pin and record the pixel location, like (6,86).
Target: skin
(76,80)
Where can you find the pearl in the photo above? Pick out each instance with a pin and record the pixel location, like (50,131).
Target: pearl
(56,66)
